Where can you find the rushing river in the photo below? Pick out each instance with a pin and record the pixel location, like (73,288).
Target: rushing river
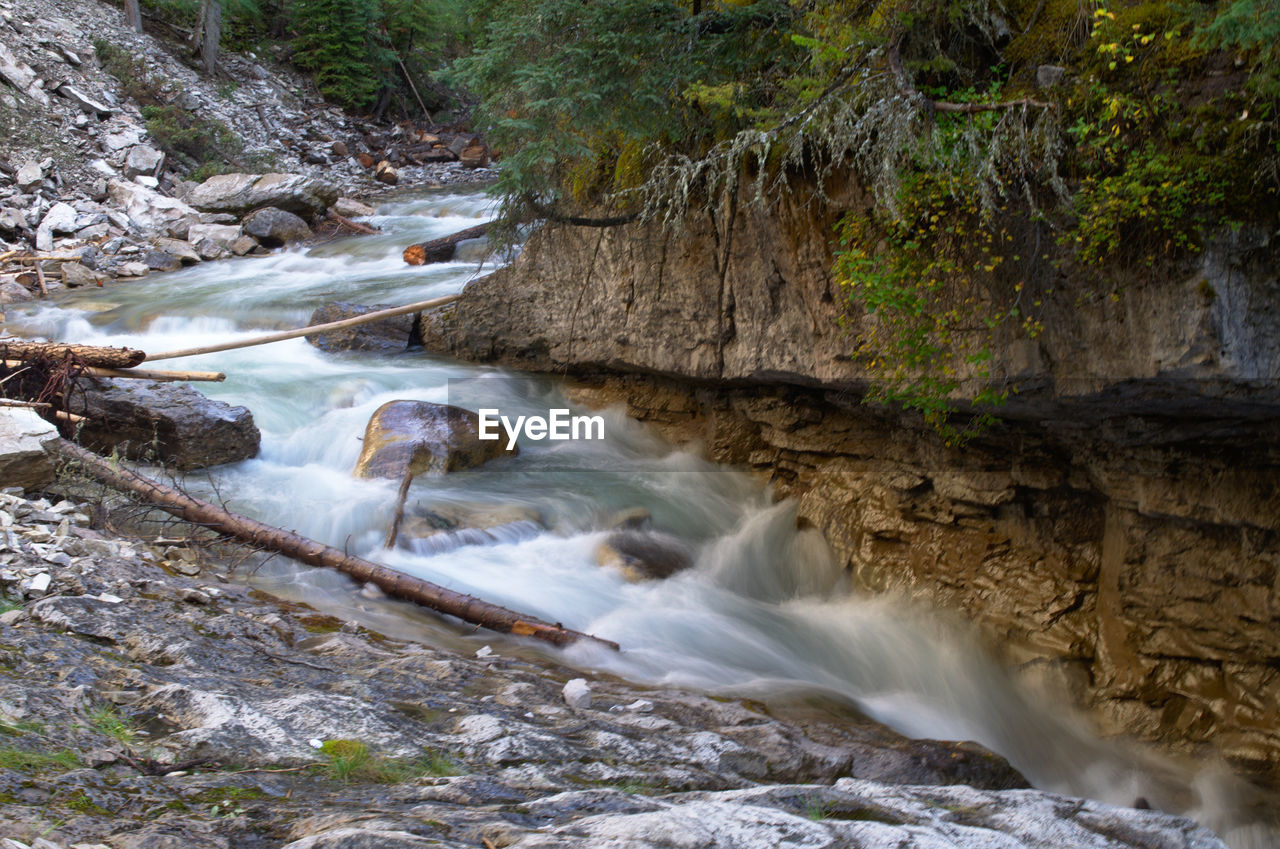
(763,612)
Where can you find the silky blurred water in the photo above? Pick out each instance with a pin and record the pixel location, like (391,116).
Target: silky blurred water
(764,612)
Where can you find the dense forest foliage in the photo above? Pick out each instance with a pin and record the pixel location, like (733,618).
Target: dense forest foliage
(1121,132)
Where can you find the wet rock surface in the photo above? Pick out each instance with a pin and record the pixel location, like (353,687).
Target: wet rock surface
(167,423)
(1117,532)
(413,437)
(397,333)
(145,703)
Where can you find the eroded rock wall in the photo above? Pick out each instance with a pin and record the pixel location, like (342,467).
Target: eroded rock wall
(1121,526)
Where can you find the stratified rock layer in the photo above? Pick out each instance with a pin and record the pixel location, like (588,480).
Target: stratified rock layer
(1121,527)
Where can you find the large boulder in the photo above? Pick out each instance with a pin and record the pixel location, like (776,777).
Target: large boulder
(387,334)
(163,422)
(151,211)
(644,555)
(412,437)
(274,227)
(239,193)
(23,461)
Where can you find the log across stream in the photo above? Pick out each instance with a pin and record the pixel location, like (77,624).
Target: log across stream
(762,612)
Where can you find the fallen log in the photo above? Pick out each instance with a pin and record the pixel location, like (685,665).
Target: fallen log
(314,329)
(144,374)
(441,250)
(264,536)
(90,355)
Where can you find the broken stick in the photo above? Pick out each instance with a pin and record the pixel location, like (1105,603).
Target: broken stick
(143,374)
(255,533)
(314,330)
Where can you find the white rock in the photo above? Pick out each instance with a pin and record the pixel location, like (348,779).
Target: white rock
(221,235)
(23,461)
(143,161)
(152,211)
(121,139)
(61,218)
(29,176)
(577,693)
(40,583)
(84,101)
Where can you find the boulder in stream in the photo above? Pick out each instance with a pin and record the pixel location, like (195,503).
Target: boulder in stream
(389,334)
(644,555)
(164,422)
(274,227)
(412,437)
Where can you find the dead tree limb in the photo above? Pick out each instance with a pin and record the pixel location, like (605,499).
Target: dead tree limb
(90,355)
(442,249)
(258,534)
(354,226)
(144,374)
(313,330)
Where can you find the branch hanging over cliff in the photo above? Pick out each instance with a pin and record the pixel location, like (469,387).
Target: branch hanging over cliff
(543,211)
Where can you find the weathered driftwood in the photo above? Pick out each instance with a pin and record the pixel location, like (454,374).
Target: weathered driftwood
(90,355)
(40,405)
(315,329)
(441,250)
(261,535)
(142,373)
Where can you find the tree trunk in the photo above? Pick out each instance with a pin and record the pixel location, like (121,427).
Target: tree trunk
(210,34)
(263,536)
(133,15)
(441,250)
(90,355)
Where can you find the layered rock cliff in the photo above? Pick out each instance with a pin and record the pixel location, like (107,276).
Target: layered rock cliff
(1120,526)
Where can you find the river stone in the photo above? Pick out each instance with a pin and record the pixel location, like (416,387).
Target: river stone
(642,555)
(275,227)
(387,334)
(172,424)
(162,261)
(412,437)
(23,461)
(12,291)
(348,208)
(221,235)
(239,193)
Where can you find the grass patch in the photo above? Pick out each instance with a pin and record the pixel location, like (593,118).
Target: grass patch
(18,727)
(22,760)
(81,803)
(107,720)
(350,761)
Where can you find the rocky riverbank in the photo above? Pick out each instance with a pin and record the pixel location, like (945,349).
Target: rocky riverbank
(88,194)
(146,701)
